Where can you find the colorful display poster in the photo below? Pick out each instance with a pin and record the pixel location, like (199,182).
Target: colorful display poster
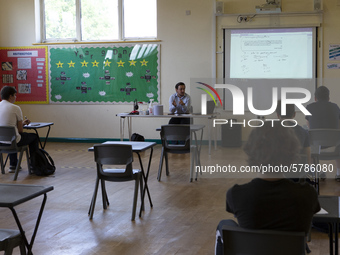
(25,68)
(104,74)
(334,52)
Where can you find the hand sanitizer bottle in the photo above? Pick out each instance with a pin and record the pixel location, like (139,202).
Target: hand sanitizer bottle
(151,107)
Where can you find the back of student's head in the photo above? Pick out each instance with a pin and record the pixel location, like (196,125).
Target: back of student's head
(322,93)
(290,111)
(272,144)
(7,91)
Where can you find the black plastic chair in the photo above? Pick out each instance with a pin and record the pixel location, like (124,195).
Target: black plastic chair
(114,155)
(325,138)
(176,139)
(240,241)
(321,139)
(8,145)
(9,239)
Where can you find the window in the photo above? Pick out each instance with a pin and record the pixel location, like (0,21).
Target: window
(100,20)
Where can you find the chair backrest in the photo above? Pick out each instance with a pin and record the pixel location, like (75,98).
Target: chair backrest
(114,154)
(325,138)
(7,139)
(240,241)
(176,136)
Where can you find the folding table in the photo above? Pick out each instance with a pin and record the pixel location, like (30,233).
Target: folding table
(12,195)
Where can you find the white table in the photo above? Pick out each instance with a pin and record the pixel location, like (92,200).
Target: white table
(12,195)
(36,125)
(129,118)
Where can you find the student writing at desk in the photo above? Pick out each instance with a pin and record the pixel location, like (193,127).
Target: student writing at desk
(271,201)
(179,103)
(325,114)
(11,115)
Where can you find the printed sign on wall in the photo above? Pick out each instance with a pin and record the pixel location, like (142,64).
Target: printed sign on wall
(25,68)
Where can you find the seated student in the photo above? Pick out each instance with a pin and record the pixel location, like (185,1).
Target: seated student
(301,133)
(179,103)
(325,114)
(11,115)
(270,201)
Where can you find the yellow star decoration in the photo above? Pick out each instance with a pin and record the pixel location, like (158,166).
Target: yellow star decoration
(84,63)
(95,63)
(59,64)
(121,63)
(71,64)
(107,63)
(144,63)
(132,62)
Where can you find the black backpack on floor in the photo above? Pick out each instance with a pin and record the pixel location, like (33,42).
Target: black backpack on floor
(42,163)
(137,137)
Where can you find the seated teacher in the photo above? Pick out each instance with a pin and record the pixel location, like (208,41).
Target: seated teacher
(179,103)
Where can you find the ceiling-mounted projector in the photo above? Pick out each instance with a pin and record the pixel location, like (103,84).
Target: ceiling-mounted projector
(272,6)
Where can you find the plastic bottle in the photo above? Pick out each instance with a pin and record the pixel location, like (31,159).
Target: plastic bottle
(151,107)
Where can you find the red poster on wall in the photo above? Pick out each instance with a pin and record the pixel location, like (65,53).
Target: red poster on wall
(25,68)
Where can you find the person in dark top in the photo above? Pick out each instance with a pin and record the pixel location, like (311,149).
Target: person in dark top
(270,201)
(325,114)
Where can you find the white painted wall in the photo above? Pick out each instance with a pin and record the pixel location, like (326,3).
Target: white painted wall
(187,43)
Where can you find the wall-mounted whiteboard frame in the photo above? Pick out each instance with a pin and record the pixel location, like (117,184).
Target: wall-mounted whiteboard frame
(258,57)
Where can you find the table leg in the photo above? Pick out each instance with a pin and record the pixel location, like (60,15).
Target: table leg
(317,180)
(122,122)
(47,134)
(330,238)
(145,178)
(336,236)
(209,134)
(30,245)
(198,145)
(130,127)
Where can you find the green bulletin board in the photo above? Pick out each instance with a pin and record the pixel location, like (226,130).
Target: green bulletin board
(104,74)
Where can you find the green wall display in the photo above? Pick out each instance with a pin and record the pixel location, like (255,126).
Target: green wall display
(104,74)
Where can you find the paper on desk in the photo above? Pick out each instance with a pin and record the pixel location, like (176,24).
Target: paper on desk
(322,211)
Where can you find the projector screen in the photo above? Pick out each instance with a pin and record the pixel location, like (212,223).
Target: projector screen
(267,58)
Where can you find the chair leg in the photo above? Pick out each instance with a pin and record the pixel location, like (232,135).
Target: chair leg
(93,201)
(22,248)
(2,164)
(166,164)
(18,165)
(197,161)
(28,162)
(192,160)
(135,197)
(141,195)
(104,195)
(160,165)
(9,250)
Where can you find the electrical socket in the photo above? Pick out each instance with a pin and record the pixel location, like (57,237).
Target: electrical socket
(243,18)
